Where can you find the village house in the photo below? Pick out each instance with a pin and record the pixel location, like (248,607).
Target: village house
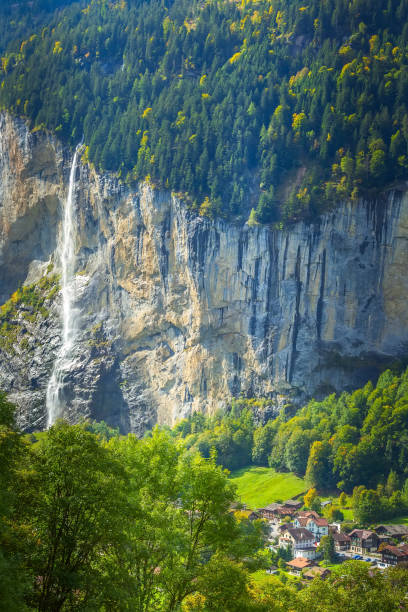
(394,555)
(309,552)
(295,504)
(275,513)
(341,541)
(363,541)
(392,531)
(297,539)
(297,565)
(307,514)
(300,521)
(268,512)
(316,572)
(318,526)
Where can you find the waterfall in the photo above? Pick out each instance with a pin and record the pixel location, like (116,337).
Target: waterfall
(55,402)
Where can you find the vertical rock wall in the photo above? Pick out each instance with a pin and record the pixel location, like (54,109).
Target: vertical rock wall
(180,313)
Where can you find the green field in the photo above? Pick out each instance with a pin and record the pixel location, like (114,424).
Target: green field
(347,512)
(259,486)
(262,579)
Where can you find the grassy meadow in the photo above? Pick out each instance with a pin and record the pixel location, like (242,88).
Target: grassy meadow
(259,486)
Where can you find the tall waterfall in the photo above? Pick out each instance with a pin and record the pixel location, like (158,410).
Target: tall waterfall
(55,402)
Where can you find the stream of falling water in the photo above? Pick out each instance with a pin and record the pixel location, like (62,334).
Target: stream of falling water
(54,398)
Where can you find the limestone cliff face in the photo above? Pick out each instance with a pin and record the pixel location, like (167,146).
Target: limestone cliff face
(179,313)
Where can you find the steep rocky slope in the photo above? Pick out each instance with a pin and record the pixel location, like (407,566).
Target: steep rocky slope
(177,312)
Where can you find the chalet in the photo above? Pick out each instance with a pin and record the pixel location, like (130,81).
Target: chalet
(275,512)
(296,539)
(318,526)
(392,531)
(297,565)
(316,572)
(394,555)
(363,541)
(295,504)
(268,512)
(307,514)
(385,539)
(341,541)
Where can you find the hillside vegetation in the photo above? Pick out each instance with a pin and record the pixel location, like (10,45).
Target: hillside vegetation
(345,440)
(225,102)
(19,17)
(354,442)
(90,520)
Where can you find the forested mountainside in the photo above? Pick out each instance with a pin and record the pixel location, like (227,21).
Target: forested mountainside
(286,107)
(19,17)
(353,442)
(346,440)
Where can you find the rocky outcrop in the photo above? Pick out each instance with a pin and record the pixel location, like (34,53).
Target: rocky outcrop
(179,313)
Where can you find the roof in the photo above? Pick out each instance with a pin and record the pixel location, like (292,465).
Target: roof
(393,529)
(270,507)
(293,502)
(285,527)
(300,533)
(278,509)
(320,522)
(302,520)
(308,514)
(307,548)
(398,551)
(341,537)
(285,510)
(300,563)
(362,534)
(326,503)
(312,572)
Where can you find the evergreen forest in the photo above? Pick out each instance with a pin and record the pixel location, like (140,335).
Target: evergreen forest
(283,107)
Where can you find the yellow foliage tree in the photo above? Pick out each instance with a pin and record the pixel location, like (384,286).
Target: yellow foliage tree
(310,497)
(57,47)
(206,208)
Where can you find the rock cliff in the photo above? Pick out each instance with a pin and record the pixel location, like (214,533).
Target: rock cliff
(179,313)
